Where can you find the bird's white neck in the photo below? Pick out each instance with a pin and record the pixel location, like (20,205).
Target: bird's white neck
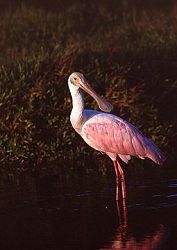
(77,116)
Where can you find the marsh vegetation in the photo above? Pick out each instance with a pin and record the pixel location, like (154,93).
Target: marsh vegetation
(55,191)
(127,51)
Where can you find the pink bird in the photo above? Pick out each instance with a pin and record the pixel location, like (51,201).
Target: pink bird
(108,133)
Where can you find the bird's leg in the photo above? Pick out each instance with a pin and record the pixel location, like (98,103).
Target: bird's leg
(117,180)
(121,205)
(122,179)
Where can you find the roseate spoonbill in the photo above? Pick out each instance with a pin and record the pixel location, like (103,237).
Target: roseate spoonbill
(108,133)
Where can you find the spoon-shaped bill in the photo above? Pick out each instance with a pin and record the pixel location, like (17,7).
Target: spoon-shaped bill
(102,103)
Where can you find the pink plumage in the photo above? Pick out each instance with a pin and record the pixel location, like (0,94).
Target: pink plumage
(117,137)
(108,133)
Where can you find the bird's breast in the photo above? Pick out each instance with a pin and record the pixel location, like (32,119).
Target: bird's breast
(77,121)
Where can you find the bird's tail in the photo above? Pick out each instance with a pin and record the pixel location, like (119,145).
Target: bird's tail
(154,153)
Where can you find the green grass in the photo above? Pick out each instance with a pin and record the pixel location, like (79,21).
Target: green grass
(128,54)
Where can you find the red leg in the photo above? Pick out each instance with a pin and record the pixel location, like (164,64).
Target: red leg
(117,180)
(122,179)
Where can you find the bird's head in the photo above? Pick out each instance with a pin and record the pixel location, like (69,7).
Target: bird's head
(77,80)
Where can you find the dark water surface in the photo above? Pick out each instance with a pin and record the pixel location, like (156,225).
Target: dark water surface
(40,213)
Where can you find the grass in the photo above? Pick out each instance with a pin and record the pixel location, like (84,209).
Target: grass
(128,54)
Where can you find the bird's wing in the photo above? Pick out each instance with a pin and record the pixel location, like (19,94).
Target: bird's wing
(108,133)
(111,134)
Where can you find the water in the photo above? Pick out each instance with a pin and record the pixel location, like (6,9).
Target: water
(39,213)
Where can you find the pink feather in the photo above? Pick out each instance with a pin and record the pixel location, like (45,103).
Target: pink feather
(115,136)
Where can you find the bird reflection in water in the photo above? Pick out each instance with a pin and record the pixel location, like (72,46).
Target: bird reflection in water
(122,216)
(150,242)
(124,237)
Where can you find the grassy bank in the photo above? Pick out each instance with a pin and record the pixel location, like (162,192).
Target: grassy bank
(128,54)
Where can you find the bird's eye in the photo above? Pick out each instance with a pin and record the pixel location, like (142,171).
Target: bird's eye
(75,78)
